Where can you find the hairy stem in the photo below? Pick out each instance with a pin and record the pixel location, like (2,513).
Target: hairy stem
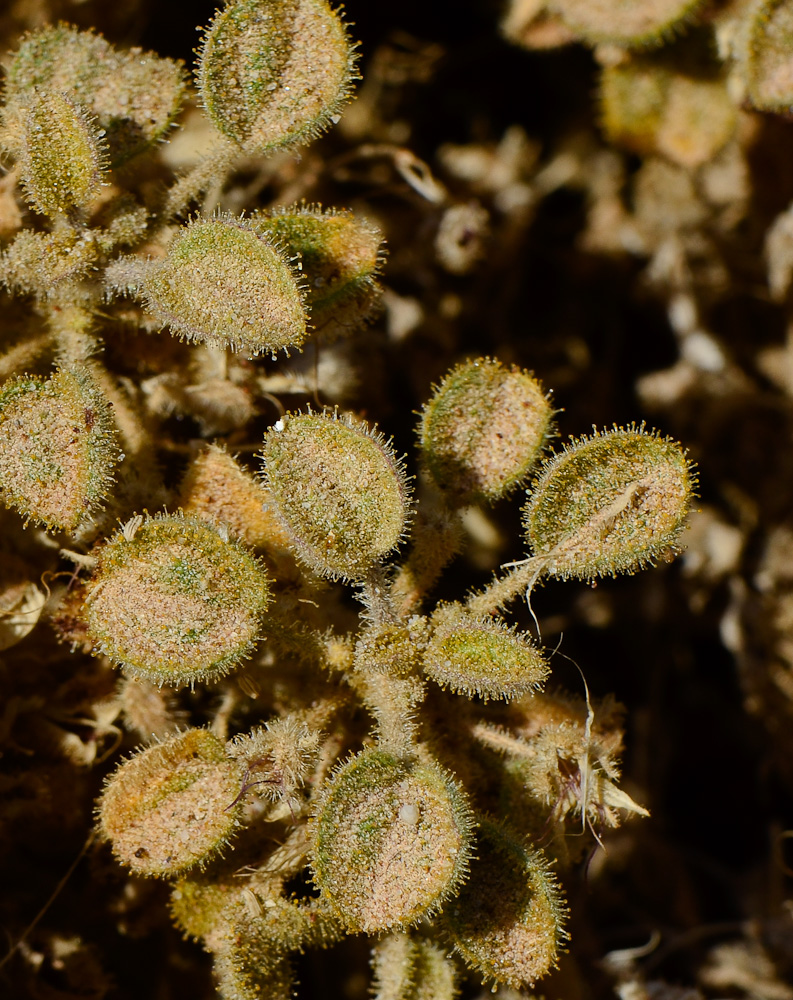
(521,578)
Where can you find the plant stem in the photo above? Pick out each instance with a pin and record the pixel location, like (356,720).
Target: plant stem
(521,578)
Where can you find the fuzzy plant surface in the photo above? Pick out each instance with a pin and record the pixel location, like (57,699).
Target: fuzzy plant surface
(273,642)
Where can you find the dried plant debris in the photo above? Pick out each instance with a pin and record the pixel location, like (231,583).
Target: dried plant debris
(332,503)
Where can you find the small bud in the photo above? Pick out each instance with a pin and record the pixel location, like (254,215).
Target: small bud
(636,23)
(339,490)
(767,65)
(392,648)
(61,154)
(575,773)
(563,757)
(507,922)
(609,504)
(483,430)
(279,758)
(340,257)
(167,808)
(175,603)
(391,841)
(407,968)
(274,73)
(133,96)
(222,284)
(482,656)
(58,447)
